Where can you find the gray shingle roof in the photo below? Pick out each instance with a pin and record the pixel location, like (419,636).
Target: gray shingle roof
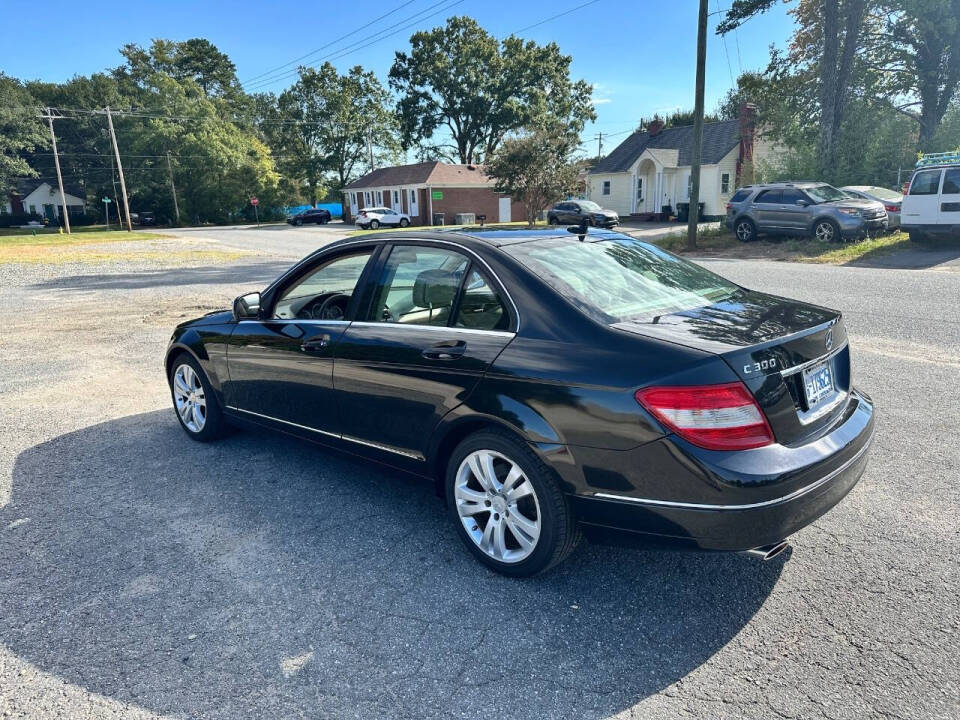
(719,138)
(429,173)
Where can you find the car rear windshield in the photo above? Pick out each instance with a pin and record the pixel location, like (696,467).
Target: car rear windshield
(885,194)
(621,279)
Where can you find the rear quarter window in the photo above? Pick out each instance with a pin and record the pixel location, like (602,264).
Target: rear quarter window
(740,196)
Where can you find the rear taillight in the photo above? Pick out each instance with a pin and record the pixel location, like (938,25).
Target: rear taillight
(891,208)
(363,213)
(715,417)
(729,207)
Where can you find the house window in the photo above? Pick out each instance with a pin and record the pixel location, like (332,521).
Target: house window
(396,198)
(606,187)
(725,183)
(33,209)
(413,198)
(379,197)
(639,189)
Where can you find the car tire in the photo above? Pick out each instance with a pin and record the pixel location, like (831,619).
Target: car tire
(324,221)
(374,224)
(404,222)
(298,222)
(746,230)
(826,230)
(194,401)
(917,236)
(542,531)
(552,220)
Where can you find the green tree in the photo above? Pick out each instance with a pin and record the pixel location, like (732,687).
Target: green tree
(322,125)
(536,167)
(21,131)
(459,78)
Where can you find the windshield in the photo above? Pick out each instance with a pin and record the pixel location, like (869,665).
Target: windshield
(589,205)
(621,279)
(825,193)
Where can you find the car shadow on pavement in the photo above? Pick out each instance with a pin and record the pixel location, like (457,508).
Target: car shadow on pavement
(262,576)
(261,273)
(917,257)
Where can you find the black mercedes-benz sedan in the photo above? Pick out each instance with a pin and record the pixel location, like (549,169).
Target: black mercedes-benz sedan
(550,383)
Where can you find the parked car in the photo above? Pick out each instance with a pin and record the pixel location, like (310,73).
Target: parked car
(144,218)
(891,200)
(931,206)
(319,216)
(575,212)
(546,385)
(802,208)
(373,218)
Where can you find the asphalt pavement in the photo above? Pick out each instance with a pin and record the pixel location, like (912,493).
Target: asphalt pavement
(145,575)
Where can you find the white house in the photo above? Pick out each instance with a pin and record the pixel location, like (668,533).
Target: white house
(651,169)
(43,198)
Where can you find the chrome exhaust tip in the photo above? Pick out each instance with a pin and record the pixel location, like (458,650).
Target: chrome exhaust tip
(768,552)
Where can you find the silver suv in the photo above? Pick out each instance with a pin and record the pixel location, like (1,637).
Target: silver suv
(802,208)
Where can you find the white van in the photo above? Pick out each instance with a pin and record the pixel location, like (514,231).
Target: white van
(932,203)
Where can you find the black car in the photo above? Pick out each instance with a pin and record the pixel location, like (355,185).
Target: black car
(310,215)
(548,382)
(577,212)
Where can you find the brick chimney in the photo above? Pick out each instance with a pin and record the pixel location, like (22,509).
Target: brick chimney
(747,120)
(654,126)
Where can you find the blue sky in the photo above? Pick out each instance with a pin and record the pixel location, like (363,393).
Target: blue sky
(640,56)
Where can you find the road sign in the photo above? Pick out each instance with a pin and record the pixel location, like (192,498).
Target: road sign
(107,200)
(254,201)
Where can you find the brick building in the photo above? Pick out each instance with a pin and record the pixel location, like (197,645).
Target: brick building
(423,189)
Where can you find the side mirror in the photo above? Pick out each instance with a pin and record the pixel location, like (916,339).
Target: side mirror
(802,203)
(247,307)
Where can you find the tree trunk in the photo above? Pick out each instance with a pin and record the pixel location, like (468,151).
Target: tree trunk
(826,155)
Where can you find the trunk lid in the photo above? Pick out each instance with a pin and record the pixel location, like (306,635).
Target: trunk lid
(774,345)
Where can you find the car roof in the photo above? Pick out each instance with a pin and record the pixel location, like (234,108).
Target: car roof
(489,236)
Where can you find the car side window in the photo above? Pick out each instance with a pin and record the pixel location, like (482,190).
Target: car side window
(740,196)
(418,286)
(480,306)
(925,183)
(790,197)
(768,196)
(951,182)
(306,296)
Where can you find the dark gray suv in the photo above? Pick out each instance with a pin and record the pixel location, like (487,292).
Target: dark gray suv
(802,208)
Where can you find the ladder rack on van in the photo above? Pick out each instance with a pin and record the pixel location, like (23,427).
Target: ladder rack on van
(944,158)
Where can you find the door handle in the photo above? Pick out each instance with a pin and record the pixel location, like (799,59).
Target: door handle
(316,344)
(445,350)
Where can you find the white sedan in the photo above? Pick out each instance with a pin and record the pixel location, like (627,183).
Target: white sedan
(375,217)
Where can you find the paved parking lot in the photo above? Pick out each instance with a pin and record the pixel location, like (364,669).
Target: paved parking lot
(144,575)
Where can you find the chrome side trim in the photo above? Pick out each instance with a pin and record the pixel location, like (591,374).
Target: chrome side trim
(297,321)
(749,506)
(358,441)
(285,422)
(378,446)
(441,328)
(810,363)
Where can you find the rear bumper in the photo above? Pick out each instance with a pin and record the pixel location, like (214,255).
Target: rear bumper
(807,493)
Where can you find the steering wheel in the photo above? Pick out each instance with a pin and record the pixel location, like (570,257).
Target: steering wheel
(329,311)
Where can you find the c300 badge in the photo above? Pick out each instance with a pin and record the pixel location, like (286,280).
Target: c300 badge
(756,367)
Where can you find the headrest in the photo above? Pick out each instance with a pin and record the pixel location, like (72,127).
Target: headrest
(435,288)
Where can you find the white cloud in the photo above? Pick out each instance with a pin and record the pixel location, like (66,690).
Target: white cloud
(601,101)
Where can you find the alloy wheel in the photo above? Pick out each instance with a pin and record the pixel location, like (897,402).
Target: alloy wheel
(498,506)
(744,232)
(189,398)
(824,232)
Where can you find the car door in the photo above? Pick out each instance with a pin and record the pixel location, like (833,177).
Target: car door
(921,206)
(766,208)
(949,210)
(435,322)
(793,213)
(281,365)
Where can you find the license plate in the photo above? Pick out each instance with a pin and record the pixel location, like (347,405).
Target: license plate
(817,383)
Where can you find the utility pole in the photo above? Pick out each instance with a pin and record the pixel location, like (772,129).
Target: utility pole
(173,190)
(694,215)
(56,160)
(599,145)
(123,184)
(370,150)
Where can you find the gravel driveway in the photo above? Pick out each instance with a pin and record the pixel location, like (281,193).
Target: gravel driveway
(144,575)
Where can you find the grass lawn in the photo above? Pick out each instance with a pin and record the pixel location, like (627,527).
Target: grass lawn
(11,237)
(722,243)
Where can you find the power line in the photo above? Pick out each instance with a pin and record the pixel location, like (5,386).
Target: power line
(332,42)
(554,17)
(366,42)
(726,52)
